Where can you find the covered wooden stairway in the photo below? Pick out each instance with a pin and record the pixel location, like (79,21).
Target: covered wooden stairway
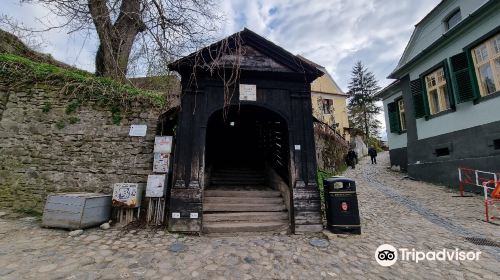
(238,200)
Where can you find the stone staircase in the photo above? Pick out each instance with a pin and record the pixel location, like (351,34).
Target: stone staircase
(239,201)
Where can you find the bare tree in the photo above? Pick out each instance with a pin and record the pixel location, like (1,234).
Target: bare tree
(153,31)
(18,29)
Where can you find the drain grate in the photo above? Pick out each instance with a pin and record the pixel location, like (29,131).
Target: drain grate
(482,241)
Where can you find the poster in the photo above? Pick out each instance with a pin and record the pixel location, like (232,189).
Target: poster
(248,92)
(163,144)
(161,162)
(127,195)
(156,185)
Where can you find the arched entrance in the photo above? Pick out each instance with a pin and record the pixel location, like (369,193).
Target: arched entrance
(247,136)
(271,134)
(247,170)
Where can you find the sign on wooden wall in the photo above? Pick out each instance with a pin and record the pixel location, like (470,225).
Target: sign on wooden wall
(248,92)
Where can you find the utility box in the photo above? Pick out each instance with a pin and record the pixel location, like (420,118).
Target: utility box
(128,195)
(341,203)
(76,210)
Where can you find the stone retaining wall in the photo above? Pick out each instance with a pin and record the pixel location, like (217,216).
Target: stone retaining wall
(46,147)
(330,148)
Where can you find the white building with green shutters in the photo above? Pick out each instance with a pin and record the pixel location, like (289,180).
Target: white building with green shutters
(443,110)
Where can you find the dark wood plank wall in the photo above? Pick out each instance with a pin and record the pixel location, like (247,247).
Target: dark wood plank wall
(287,94)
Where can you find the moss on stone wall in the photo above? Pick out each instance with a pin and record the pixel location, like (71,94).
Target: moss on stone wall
(65,130)
(66,146)
(80,85)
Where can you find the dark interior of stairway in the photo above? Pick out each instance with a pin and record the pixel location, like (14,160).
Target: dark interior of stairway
(242,145)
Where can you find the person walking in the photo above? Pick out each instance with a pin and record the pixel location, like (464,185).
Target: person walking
(373,154)
(351,158)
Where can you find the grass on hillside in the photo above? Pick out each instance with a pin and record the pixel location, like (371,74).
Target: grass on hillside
(84,85)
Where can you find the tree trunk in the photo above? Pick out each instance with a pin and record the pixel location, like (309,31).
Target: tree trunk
(366,122)
(116,40)
(112,57)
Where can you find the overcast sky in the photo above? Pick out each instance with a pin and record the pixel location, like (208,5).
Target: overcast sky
(333,33)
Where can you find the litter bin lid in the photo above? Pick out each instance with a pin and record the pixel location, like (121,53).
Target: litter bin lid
(339,179)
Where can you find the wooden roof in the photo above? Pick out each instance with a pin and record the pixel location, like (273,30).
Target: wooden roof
(256,48)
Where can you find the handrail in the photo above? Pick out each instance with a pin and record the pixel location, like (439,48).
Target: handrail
(333,133)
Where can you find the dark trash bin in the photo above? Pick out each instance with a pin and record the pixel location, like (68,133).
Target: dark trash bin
(341,205)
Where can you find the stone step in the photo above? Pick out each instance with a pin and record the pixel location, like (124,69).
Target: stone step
(236,178)
(246,217)
(244,227)
(243,200)
(223,207)
(237,174)
(236,170)
(224,193)
(236,182)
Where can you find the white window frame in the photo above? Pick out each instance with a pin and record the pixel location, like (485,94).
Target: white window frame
(435,83)
(486,54)
(402,114)
(330,108)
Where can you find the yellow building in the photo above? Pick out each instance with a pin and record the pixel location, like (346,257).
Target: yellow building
(329,103)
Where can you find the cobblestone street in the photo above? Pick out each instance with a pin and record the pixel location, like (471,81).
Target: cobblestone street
(394,210)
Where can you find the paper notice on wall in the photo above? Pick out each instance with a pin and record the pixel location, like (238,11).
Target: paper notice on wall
(161,162)
(138,130)
(163,144)
(156,185)
(248,92)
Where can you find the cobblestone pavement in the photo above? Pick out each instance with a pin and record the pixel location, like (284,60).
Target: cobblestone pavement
(394,210)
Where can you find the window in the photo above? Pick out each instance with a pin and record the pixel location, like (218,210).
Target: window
(327,105)
(486,58)
(437,92)
(402,116)
(441,152)
(453,19)
(496,144)
(397,116)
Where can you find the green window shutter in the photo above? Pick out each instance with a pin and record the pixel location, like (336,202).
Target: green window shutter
(449,88)
(462,81)
(393,113)
(418,98)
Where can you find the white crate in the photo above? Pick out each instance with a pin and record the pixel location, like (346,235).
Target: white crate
(76,210)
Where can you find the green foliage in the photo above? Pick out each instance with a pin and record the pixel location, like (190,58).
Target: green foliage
(116,115)
(46,107)
(77,84)
(374,142)
(29,212)
(362,107)
(60,124)
(72,106)
(73,120)
(320,176)
(323,174)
